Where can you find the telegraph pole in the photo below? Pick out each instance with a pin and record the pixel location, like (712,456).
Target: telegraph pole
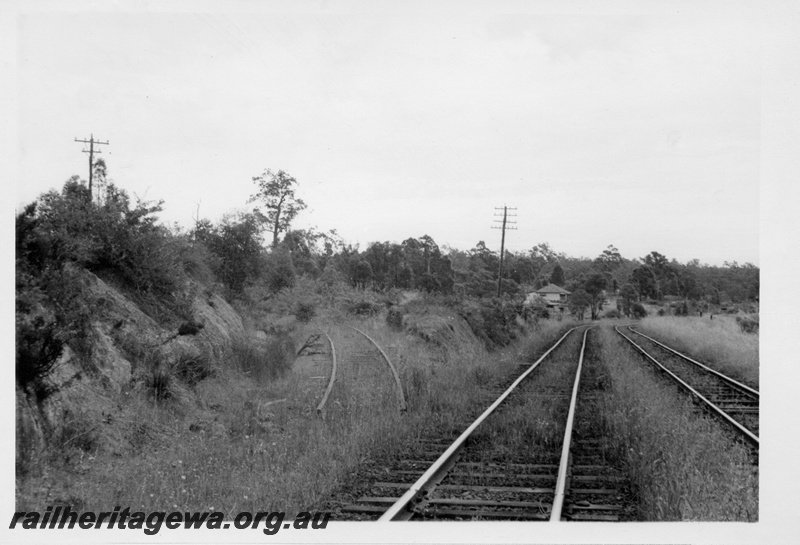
(91,151)
(506,225)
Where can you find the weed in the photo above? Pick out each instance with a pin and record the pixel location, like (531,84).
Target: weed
(682,465)
(159,382)
(305,311)
(263,359)
(719,343)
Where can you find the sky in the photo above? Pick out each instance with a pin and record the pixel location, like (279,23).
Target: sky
(636,124)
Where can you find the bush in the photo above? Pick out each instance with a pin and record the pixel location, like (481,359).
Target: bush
(747,324)
(613,313)
(160,381)
(305,311)
(638,310)
(280,270)
(38,350)
(112,239)
(364,307)
(236,245)
(263,360)
(494,320)
(394,318)
(52,311)
(191,368)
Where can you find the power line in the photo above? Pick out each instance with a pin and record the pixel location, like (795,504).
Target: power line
(506,224)
(91,151)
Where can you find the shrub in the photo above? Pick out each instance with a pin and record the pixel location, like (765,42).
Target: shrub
(748,325)
(494,320)
(280,270)
(363,307)
(159,382)
(266,359)
(191,368)
(638,310)
(613,313)
(52,311)
(63,232)
(38,349)
(305,311)
(394,318)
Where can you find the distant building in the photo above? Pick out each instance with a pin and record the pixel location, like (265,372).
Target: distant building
(554,295)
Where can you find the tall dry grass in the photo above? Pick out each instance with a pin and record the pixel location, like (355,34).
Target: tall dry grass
(681,463)
(720,343)
(243,439)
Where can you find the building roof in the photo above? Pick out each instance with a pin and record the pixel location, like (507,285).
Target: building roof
(552,288)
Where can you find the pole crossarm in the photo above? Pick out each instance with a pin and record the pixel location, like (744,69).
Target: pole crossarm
(507,225)
(91,151)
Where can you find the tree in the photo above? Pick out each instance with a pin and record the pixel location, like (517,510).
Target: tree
(236,242)
(99,174)
(557,277)
(594,286)
(579,301)
(362,273)
(609,260)
(276,193)
(299,243)
(627,297)
(280,270)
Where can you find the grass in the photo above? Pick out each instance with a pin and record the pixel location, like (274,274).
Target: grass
(243,439)
(682,465)
(530,426)
(719,343)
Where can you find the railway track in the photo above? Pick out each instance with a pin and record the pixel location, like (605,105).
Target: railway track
(563,475)
(357,358)
(735,403)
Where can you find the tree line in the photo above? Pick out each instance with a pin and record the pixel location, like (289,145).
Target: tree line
(122,240)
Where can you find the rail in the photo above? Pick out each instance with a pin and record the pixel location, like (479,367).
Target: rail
(749,435)
(403,508)
(321,406)
(561,482)
(400,396)
(727,379)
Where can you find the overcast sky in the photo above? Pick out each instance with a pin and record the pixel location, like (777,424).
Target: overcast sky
(633,124)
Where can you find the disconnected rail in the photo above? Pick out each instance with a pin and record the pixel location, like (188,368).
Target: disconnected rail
(331,382)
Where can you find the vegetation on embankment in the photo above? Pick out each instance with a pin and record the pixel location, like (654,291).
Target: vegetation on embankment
(719,343)
(682,465)
(238,440)
(154,365)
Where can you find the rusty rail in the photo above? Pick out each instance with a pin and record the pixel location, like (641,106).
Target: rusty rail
(400,396)
(321,406)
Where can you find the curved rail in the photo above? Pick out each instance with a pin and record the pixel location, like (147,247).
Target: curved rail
(400,396)
(328,390)
(561,482)
(403,509)
(749,435)
(745,388)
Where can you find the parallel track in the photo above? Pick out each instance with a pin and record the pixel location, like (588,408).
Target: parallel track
(735,403)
